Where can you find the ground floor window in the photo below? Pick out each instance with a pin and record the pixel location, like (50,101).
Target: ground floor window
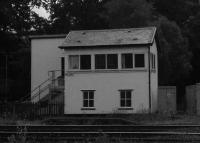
(88,98)
(125,98)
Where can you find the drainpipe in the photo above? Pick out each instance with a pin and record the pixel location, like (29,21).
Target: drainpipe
(149,75)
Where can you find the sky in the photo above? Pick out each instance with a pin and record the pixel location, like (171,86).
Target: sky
(41,12)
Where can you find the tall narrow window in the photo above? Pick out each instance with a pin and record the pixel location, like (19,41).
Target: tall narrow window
(62,66)
(73,62)
(127,61)
(100,61)
(88,98)
(125,98)
(85,62)
(112,61)
(139,61)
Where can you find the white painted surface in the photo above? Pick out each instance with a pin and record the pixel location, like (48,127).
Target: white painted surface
(45,56)
(154,80)
(107,84)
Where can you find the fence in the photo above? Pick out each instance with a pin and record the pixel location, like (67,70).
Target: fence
(193,99)
(31,110)
(167,99)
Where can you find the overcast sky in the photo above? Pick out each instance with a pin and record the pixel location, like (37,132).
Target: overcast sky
(41,12)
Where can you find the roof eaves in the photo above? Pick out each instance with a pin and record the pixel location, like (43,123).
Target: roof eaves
(47,36)
(92,46)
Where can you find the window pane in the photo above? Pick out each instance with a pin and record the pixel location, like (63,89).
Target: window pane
(122,93)
(127,61)
(85,95)
(91,95)
(85,62)
(112,61)
(100,61)
(139,60)
(122,103)
(73,62)
(128,103)
(62,66)
(128,94)
(85,103)
(91,103)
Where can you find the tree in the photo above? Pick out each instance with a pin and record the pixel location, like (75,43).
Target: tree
(128,13)
(75,14)
(176,10)
(192,31)
(173,52)
(174,57)
(17,22)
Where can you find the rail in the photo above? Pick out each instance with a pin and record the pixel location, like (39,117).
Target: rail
(110,132)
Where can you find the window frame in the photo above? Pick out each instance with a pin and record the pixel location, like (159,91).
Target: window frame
(88,99)
(80,68)
(135,61)
(106,61)
(70,65)
(125,61)
(126,99)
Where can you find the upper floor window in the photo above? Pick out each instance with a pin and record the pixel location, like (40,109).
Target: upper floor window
(153,61)
(103,61)
(73,62)
(112,61)
(80,62)
(127,60)
(139,61)
(85,62)
(100,61)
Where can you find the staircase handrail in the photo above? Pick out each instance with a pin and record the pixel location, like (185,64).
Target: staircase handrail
(38,87)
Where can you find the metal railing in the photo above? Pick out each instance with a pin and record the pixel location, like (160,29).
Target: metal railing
(44,89)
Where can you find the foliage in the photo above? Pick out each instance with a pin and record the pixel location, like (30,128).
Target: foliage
(174,56)
(128,13)
(79,14)
(192,30)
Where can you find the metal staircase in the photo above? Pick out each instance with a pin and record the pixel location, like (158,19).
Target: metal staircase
(49,91)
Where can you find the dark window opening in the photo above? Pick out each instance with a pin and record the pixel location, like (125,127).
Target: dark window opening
(127,61)
(100,61)
(85,62)
(62,66)
(139,60)
(112,61)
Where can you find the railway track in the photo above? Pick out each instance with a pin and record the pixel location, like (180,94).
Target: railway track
(159,133)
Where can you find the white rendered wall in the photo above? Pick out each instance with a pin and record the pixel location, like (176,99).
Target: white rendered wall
(45,56)
(154,79)
(106,84)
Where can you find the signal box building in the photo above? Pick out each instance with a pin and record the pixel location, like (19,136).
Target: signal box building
(97,71)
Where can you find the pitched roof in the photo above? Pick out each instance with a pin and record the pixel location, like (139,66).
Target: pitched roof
(131,36)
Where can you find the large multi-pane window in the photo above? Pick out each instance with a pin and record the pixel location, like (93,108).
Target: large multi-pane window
(125,98)
(127,61)
(82,62)
(139,61)
(88,98)
(109,61)
(106,61)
